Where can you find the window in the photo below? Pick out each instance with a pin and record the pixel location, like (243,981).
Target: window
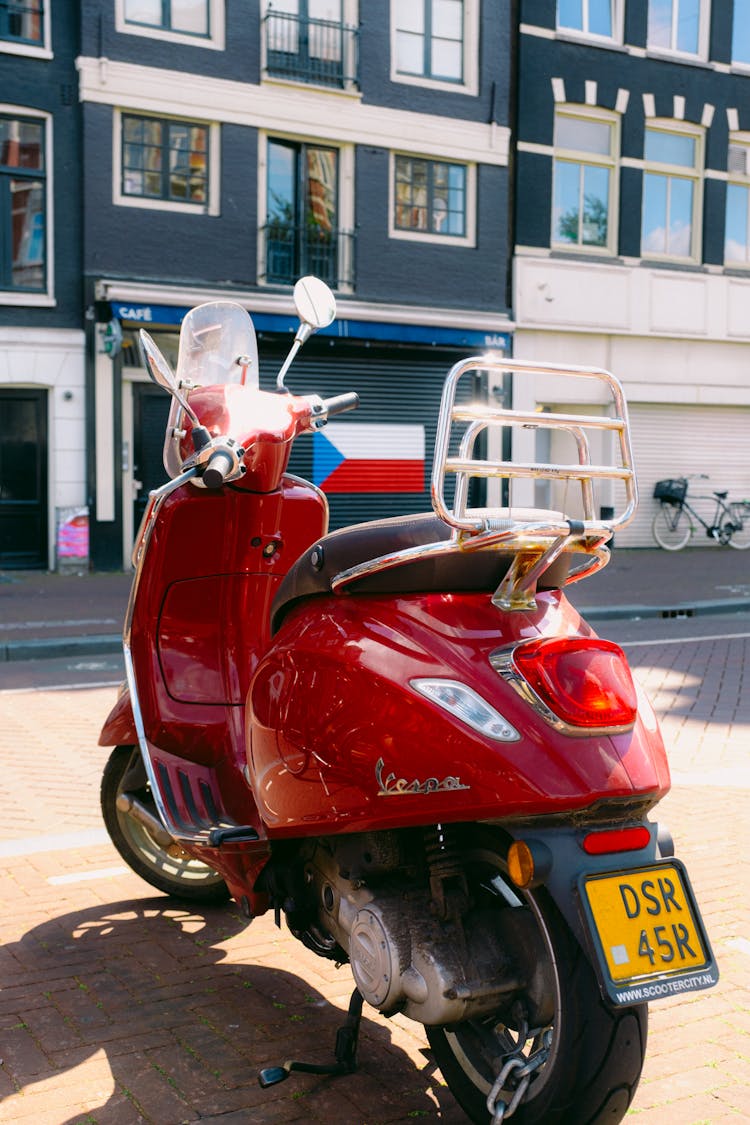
(166,162)
(199,22)
(190,17)
(435,42)
(591,17)
(584,181)
(430,197)
(741,33)
(22,21)
(302,233)
(678,25)
(737,230)
(24,28)
(23,205)
(671,186)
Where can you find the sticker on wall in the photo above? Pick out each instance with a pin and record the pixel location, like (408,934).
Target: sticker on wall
(73,534)
(353,457)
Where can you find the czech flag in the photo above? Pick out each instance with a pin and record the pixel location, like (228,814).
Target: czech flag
(349,457)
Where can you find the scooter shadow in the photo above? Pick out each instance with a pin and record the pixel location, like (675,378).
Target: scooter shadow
(184,1007)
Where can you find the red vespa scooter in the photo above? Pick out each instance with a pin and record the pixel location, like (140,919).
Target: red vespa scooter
(401,735)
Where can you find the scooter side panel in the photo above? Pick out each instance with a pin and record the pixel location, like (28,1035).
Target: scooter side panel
(338,740)
(201,614)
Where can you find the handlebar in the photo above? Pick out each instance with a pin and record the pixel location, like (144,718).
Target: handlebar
(219,466)
(341,403)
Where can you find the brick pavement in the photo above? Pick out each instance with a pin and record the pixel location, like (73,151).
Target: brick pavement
(120,1007)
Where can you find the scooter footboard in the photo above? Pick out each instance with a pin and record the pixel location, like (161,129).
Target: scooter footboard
(627,900)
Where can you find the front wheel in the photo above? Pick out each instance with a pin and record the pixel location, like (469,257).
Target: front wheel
(170,870)
(671,527)
(595,1052)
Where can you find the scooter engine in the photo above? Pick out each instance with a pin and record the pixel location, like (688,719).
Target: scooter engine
(405,958)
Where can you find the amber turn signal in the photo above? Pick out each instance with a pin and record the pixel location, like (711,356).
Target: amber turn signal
(521,864)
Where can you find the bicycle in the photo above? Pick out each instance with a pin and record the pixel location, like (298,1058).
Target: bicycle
(673,524)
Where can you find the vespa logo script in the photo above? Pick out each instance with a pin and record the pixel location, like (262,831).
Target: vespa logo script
(392,786)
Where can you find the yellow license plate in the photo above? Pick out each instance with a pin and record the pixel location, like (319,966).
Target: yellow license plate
(648,932)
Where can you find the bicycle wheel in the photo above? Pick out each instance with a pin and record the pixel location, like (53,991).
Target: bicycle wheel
(740,537)
(671,527)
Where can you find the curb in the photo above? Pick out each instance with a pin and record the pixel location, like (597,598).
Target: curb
(684,609)
(48,649)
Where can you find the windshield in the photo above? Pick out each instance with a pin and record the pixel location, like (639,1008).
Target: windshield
(213,337)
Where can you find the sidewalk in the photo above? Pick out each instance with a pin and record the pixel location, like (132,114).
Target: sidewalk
(44,615)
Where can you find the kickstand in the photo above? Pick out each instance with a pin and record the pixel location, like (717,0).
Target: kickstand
(346,1051)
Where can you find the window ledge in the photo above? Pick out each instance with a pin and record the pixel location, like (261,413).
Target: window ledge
(26,49)
(682,264)
(351,91)
(35,300)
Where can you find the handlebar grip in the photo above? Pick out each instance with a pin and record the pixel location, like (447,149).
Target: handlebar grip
(218,469)
(341,403)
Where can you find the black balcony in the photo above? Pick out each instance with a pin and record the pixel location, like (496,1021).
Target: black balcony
(317,52)
(290,252)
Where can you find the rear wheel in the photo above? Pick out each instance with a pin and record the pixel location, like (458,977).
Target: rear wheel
(595,1053)
(168,869)
(671,527)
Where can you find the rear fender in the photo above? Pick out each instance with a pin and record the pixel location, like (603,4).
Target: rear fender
(119,726)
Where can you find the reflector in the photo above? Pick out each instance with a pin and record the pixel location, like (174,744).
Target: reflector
(616,840)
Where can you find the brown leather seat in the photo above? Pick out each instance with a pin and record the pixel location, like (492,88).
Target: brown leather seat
(452,572)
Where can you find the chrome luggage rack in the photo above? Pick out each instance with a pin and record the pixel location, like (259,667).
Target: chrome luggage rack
(536,538)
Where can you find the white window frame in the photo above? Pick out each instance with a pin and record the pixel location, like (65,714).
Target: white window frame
(679,172)
(468,239)
(215,41)
(47,297)
(42,50)
(211,207)
(703,35)
(470,84)
(344,203)
(618,24)
(741,179)
(602,117)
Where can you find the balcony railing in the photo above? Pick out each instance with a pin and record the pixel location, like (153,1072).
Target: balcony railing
(290,252)
(318,52)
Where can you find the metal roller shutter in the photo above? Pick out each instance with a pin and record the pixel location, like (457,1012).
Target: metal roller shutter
(675,441)
(395,386)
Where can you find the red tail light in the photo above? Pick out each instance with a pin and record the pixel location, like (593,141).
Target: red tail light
(585,683)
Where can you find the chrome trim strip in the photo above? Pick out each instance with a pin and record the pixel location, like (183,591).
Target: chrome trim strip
(156,499)
(502,661)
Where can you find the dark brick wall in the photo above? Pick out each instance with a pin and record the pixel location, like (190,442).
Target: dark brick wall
(51,86)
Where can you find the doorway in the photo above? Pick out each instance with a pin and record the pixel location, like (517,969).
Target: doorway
(150,413)
(24,514)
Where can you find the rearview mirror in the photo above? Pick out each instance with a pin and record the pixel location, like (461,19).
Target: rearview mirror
(315,303)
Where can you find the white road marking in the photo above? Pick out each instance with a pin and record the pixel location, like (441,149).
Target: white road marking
(65,841)
(61,687)
(86,876)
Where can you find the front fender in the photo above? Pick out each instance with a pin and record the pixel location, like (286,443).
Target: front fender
(119,726)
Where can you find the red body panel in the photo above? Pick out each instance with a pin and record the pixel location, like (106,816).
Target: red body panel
(332,716)
(200,622)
